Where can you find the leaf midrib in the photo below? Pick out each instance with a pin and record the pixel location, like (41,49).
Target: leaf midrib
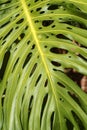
(34,35)
(28,17)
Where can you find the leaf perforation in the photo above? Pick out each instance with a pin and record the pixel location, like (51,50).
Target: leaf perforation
(42,45)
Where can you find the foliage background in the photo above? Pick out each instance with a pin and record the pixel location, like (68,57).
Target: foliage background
(39,41)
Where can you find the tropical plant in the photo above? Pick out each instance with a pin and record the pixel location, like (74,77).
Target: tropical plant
(39,39)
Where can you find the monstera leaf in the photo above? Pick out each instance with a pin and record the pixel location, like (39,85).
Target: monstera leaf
(39,39)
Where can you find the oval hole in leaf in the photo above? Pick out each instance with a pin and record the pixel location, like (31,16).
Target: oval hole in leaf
(69,124)
(53,26)
(58,50)
(82,57)
(40,28)
(53,7)
(55,63)
(38,79)
(60,84)
(75,23)
(46,83)
(29,4)
(33,46)
(51,120)
(74,97)
(1,38)
(8,34)
(27,59)
(36,21)
(45,46)
(43,107)
(46,23)
(38,9)
(35,0)
(42,12)
(15,64)
(61,36)
(28,42)
(26,27)
(4,64)
(78,120)
(69,28)
(4,3)
(5,24)
(23,94)
(33,69)
(22,35)
(61,99)
(19,38)
(84,46)
(17,15)
(31,11)
(30,106)
(20,21)
(3,97)
(55,50)
(3,42)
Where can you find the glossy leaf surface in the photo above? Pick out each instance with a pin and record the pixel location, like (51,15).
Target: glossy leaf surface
(39,39)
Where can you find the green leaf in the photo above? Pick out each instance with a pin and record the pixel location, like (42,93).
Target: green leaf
(39,39)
